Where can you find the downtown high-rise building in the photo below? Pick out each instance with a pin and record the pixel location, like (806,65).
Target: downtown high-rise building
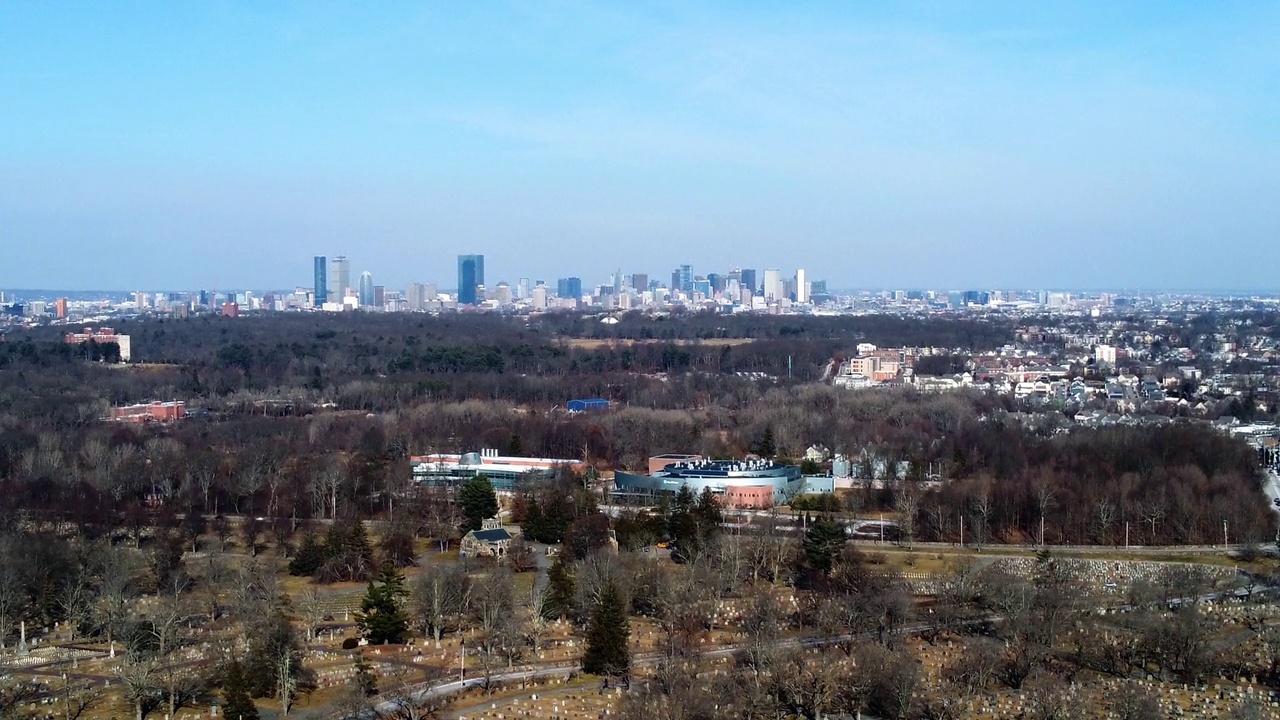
(366,289)
(415,296)
(747,279)
(321,280)
(569,288)
(341,279)
(470,279)
(774,289)
(802,287)
(685,275)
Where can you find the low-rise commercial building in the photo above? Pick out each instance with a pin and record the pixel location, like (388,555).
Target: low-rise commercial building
(150,412)
(449,470)
(737,483)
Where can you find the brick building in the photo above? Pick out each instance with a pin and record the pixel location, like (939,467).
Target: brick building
(150,412)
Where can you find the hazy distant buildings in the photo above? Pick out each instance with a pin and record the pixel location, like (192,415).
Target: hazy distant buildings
(366,289)
(415,297)
(569,288)
(773,289)
(802,287)
(321,283)
(102,336)
(470,278)
(684,275)
(747,279)
(341,278)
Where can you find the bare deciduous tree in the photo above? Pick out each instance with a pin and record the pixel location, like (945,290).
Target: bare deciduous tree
(440,597)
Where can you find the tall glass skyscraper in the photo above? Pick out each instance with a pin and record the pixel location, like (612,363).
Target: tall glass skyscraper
(686,278)
(321,280)
(366,289)
(569,288)
(470,277)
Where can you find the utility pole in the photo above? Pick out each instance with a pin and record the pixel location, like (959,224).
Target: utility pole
(961,531)
(462,674)
(1224,534)
(881,528)
(1126,534)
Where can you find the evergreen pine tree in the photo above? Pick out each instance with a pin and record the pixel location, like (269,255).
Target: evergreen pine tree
(309,558)
(335,541)
(236,704)
(361,551)
(477,501)
(822,543)
(560,589)
(608,634)
(708,515)
(533,525)
(683,524)
(766,446)
(381,617)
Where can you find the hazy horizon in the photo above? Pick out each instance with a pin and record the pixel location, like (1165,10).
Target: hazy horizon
(908,145)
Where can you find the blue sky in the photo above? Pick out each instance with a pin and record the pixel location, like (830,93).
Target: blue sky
(994,145)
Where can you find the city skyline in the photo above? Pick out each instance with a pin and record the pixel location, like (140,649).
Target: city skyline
(1083,145)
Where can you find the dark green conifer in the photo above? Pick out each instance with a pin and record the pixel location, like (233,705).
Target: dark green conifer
(560,589)
(381,617)
(608,634)
(236,704)
(309,558)
(477,501)
(822,543)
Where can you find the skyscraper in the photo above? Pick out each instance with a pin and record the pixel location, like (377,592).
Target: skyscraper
(321,280)
(747,277)
(341,278)
(686,278)
(470,276)
(802,287)
(415,296)
(366,289)
(569,288)
(773,289)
